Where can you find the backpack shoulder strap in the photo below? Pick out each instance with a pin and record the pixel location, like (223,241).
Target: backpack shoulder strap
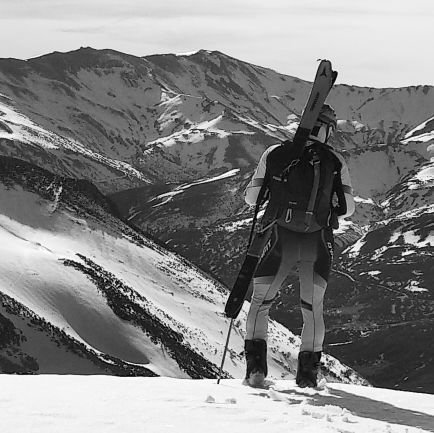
(316,161)
(269,163)
(335,157)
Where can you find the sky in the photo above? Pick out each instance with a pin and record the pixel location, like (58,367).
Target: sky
(104,404)
(377,43)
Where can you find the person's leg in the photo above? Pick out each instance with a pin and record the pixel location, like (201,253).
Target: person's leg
(316,255)
(265,287)
(267,282)
(312,290)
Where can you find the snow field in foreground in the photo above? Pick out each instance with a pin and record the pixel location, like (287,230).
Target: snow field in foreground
(44,404)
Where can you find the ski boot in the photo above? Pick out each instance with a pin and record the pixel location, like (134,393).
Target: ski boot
(308,368)
(256,360)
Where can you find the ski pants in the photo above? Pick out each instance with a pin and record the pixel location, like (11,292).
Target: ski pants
(313,252)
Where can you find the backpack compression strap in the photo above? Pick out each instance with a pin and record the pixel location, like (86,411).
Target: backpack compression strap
(314,192)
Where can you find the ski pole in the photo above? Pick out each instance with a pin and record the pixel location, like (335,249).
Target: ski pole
(224,352)
(259,201)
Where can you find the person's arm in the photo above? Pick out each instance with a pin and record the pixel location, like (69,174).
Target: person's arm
(349,199)
(347,189)
(257,180)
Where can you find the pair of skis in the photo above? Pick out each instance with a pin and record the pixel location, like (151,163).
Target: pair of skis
(324,79)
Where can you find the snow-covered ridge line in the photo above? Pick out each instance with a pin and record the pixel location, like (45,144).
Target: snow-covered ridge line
(166,197)
(420,127)
(24,130)
(195,133)
(409,237)
(358,199)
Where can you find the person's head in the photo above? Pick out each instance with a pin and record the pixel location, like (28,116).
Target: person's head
(325,125)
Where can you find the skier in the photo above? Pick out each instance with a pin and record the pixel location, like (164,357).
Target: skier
(298,236)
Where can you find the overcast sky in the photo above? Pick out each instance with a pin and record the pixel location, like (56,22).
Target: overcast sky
(378,43)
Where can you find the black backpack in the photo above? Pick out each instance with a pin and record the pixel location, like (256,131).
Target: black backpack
(301,190)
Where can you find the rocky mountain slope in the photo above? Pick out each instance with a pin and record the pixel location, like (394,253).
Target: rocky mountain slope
(174,140)
(83,292)
(178,118)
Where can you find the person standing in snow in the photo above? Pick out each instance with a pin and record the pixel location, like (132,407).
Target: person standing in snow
(305,198)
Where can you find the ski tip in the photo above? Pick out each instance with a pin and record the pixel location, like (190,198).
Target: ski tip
(328,64)
(334,76)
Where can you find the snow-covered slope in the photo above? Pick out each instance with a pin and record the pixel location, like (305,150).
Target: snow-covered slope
(20,136)
(392,298)
(422,138)
(92,404)
(75,277)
